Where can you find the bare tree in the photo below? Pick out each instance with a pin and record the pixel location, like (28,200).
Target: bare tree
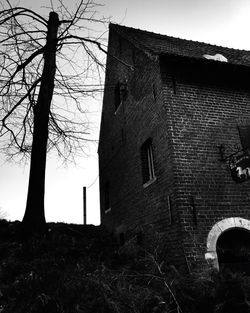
(48,66)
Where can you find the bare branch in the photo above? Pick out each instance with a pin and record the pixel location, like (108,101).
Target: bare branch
(20,101)
(79,75)
(15,11)
(95,42)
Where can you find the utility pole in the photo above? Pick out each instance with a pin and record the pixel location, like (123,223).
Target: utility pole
(84,207)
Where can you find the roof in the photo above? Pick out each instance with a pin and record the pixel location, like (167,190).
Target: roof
(158,44)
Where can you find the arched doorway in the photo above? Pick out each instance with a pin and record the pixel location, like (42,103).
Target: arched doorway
(217,230)
(233,250)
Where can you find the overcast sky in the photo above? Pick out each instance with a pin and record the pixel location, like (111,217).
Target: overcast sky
(221,22)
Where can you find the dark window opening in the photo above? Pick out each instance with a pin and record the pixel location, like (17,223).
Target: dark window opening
(244,132)
(107,203)
(147,161)
(233,250)
(120,94)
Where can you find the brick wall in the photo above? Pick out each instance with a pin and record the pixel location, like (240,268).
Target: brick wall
(141,116)
(206,105)
(188,109)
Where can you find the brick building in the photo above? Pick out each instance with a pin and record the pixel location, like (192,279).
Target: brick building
(173,143)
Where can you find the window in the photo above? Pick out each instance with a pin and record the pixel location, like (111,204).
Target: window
(148,174)
(121,90)
(107,203)
(244,132)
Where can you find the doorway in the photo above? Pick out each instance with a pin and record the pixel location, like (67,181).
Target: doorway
(233,250)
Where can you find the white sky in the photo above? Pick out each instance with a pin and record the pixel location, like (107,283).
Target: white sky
(221,22)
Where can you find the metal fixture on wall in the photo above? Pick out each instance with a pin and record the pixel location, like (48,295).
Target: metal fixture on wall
(238,161)
(229,151)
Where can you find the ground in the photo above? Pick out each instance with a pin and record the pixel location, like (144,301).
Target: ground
(75,268)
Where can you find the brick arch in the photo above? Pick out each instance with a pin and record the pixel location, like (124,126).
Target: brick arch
(216,231)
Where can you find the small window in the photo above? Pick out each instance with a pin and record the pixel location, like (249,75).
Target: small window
(244,132)
(121,90)
(148,174)
(107,203)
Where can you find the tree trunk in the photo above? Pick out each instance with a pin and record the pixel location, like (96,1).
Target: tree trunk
(34,217)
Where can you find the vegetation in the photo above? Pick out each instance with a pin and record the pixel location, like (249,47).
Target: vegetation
(75,268)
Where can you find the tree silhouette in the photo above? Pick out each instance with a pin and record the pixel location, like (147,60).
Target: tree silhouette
(47,69)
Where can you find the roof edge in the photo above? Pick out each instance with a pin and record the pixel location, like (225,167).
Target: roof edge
(115,25)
